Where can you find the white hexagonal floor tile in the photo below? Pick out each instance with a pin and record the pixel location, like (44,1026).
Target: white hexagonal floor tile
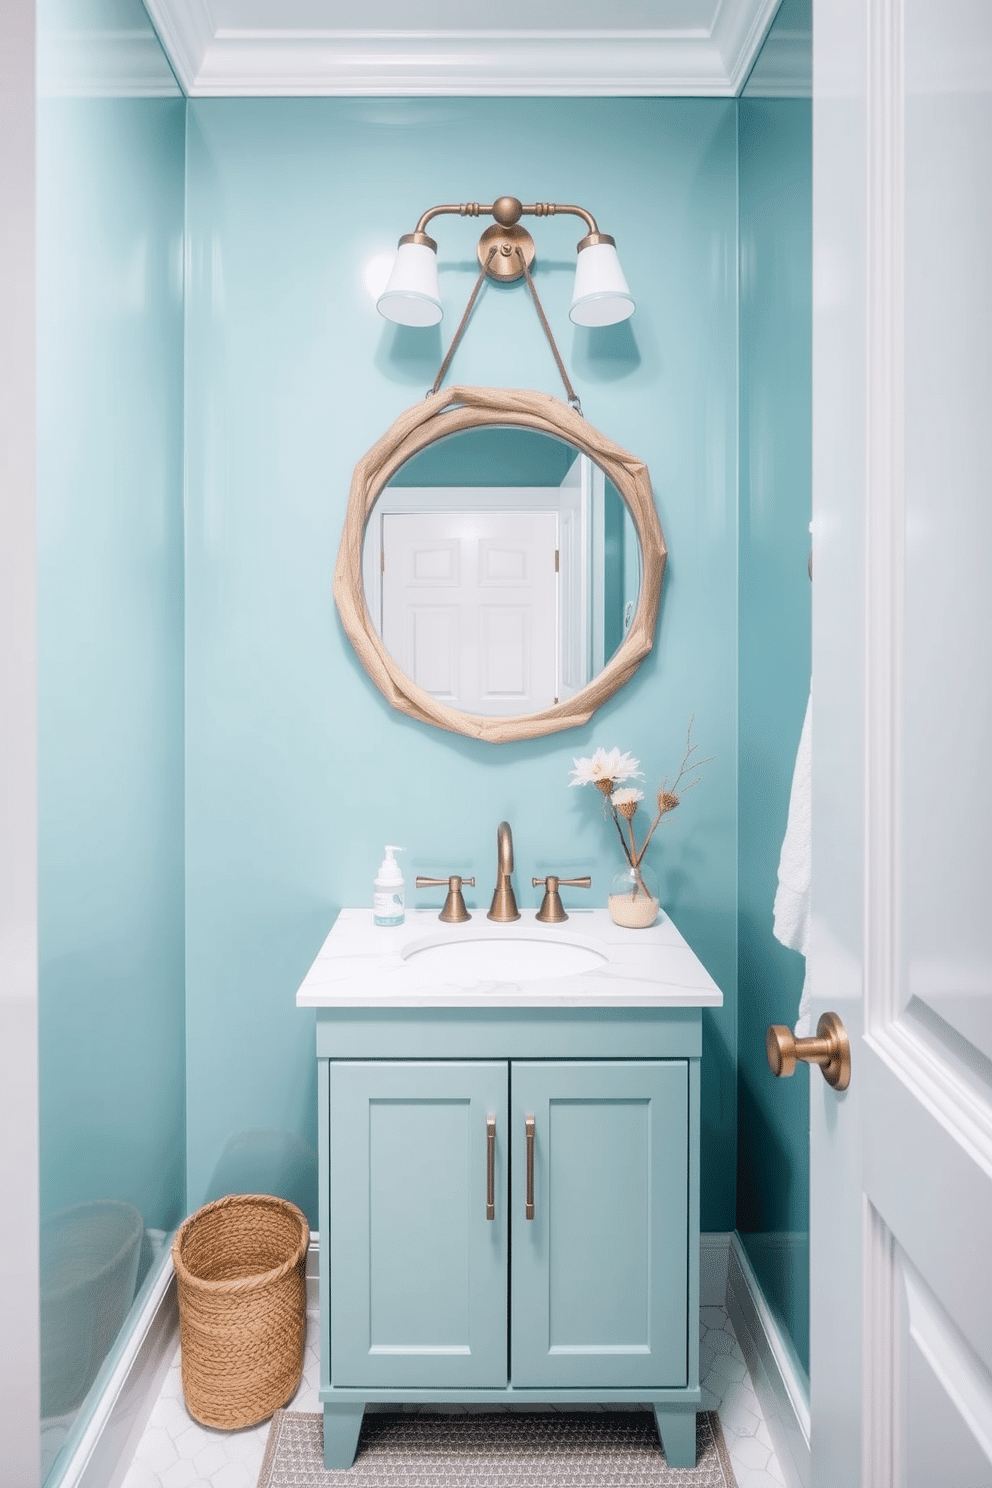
(156,1449)
(719,1341)
(213,1455)
(181,1474)
(140,1475)
(235,1475)
(730,1367)
(755,1477)
(749,1452)
(175,1446)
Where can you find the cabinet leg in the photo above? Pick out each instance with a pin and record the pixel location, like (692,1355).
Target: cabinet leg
(677,1430)
(342,1428)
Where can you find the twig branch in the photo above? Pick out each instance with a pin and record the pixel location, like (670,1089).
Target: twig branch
(626,850)
(671,790)
(690,750)
(647,839)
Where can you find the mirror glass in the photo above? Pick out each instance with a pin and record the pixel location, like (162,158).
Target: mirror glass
(501,570)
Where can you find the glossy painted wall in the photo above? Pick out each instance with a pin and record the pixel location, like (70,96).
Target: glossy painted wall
(19,1374)
(297,769)
(110,642)
(774,641)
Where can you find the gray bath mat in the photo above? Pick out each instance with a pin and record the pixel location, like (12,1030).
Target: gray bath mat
(571,1449)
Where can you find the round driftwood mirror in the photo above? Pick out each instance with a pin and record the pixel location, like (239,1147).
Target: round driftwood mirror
(501,564)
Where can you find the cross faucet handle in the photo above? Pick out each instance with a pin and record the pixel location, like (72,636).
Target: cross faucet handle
(552,911)
(454,911)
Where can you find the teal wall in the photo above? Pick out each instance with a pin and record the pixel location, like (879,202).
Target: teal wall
(490,457)
(297,769)
(280,762)
(774,640)
(110,643)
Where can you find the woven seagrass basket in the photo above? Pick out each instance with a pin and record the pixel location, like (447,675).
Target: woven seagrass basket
(241,1268)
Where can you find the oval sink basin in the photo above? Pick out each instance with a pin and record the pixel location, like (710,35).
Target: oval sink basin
(495,959)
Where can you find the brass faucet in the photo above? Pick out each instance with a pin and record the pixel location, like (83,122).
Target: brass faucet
(454,911)
(504,905)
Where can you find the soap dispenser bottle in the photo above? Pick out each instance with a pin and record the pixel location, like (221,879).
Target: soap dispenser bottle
(388,892)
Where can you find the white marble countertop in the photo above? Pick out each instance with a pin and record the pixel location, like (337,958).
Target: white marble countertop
(365,965)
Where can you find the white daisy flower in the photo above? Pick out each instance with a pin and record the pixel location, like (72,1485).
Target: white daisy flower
(627,797)
(605,765)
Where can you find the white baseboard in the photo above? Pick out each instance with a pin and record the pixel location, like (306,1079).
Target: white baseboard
(103,1454)
(313,1273)
(777,1375)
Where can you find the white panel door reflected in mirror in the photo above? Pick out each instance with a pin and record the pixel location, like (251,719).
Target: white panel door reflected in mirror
(501,570)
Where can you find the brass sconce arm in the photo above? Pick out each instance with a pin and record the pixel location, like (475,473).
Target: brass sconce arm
(507,211)
(501,246)
(412,295)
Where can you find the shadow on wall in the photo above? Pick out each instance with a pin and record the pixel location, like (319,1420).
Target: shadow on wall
(89,1271)
(605,353)
(781,1263)
(97,1262)
(267,1162)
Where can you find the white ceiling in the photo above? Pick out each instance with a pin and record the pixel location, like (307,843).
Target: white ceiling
(543,47)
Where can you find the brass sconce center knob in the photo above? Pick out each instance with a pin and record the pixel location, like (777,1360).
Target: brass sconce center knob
(507,210)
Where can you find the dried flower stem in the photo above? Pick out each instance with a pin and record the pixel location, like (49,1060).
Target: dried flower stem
(616,820)
(666,790)
(606,769)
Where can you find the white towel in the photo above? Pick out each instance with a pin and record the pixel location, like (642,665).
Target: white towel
(792,898)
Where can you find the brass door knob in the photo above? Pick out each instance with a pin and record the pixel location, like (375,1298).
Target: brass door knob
(830,1049)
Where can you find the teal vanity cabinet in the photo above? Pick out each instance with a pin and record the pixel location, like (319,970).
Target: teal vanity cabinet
(509,1196)
(600,1273)
(418,1273)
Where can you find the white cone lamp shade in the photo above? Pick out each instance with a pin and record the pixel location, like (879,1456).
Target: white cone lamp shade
(412,296)
(601,296)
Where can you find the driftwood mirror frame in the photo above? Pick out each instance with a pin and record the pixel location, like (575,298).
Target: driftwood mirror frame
(448,412)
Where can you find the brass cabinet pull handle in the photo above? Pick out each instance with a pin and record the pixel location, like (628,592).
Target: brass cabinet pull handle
(529,1205)
(490,1167)
(830,1049)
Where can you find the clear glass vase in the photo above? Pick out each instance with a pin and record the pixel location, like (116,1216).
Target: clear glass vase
(633,900)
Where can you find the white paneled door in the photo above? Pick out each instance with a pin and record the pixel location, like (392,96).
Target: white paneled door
(901,1211)
(470,607)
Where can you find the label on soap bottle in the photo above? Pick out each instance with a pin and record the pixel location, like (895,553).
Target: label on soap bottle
(387,907)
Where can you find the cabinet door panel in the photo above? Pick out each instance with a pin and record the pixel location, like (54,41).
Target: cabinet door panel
(600,1274)
(418,1273)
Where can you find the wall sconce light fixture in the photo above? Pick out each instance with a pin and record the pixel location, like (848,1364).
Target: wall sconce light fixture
(412,296)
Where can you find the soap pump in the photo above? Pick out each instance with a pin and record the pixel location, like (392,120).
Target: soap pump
(388,892)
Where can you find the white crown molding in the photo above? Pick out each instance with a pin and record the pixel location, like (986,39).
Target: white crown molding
(785,67)
(266,57)
(187,33)
(103,64)
(739,30)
